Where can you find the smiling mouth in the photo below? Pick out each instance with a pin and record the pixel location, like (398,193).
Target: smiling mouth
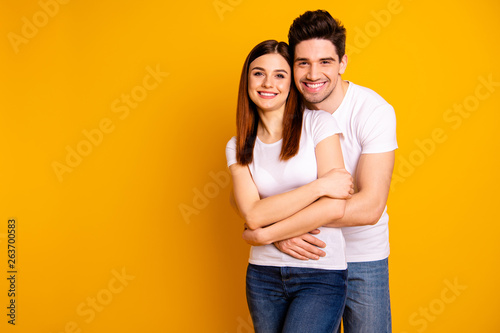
(314,86)
(267,94)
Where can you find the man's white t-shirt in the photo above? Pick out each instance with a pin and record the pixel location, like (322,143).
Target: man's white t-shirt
(368,126)
(272,176)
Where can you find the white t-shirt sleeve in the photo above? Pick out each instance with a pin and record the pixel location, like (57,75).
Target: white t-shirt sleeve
(231,151)
(379,131)
(323,125)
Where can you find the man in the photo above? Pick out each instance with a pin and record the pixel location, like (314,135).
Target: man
(368,142)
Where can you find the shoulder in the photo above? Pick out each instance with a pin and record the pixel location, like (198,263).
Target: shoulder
(367,99)
(317,116)
(366,103)
(231,144)
(319,124)
(367,94)
(231,151)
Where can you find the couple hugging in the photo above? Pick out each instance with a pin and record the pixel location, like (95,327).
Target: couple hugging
(311,166)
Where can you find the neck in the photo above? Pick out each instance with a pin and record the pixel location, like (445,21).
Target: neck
(270,125)
(332,102)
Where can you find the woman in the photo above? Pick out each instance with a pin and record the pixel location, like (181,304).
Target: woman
(275,160)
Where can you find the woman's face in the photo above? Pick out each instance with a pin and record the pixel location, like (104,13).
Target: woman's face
(269,80)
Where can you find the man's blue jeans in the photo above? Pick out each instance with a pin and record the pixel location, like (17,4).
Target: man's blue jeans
(292,299)
(368,305)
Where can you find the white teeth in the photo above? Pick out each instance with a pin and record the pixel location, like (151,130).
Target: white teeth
(314,85)
(267,94)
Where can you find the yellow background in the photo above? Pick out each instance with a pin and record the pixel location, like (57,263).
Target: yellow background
(119,209)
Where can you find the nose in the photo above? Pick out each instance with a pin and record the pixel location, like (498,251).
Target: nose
(313,73)
(267,82)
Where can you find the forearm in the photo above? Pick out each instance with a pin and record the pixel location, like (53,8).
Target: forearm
(321,212)
(333,182)
(362,209)
(278,207)
(373,176)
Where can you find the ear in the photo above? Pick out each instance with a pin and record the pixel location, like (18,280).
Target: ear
(343,64)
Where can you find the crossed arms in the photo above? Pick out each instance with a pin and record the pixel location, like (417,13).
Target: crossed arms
(270,219)
(373,178)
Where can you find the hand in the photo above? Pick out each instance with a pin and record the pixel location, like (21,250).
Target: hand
(303,247)
(252,236)
(337,184)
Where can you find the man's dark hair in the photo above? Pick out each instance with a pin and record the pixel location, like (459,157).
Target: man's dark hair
(317,24)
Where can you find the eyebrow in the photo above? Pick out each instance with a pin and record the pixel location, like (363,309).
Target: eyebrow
(321,59)
(262,69)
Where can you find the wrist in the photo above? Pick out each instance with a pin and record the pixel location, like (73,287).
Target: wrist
(263,236)
(319,188)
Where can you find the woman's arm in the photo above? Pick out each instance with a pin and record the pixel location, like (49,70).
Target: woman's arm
(328,157)
(259,212)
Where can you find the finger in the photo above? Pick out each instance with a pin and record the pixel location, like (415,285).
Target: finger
(296,255)
(315,231)
(307,250)
(313,241)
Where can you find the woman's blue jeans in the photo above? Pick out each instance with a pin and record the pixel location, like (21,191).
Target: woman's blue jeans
(293,299)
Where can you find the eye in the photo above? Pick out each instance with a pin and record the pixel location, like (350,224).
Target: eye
(256,73)
(326,62)
(280,76)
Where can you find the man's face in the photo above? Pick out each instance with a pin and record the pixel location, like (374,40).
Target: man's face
(317,69)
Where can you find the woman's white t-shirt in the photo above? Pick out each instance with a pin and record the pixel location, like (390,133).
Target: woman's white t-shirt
(272,176)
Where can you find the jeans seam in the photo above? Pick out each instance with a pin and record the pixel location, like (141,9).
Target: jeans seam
(283,284)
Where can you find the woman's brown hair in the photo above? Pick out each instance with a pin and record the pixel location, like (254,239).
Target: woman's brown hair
(247,117)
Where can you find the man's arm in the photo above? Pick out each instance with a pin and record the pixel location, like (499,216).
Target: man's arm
(373,180)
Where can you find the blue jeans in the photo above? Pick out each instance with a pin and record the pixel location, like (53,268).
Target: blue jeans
(368,305)
(292,299)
